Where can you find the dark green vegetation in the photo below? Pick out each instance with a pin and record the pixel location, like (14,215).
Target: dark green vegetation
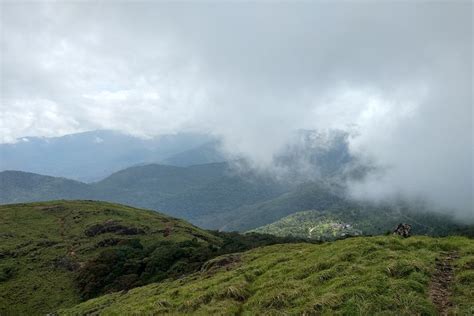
(356,276)
(55,254)
(215,196)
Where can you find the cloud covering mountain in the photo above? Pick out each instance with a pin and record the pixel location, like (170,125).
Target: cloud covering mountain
(396,76)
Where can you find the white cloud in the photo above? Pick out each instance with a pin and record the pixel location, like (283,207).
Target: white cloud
(34,117)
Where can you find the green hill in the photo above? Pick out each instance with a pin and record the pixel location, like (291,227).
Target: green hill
(311,224)
(304,197)
(355,276)
(56,254)
(18,186)
(190,193)
(43,245)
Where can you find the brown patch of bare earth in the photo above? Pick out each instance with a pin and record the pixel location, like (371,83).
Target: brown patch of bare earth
(440,286)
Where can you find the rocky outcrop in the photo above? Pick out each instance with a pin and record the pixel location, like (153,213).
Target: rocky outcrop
(403,230)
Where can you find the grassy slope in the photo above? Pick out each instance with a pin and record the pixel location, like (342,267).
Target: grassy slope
(33,237)
(364,276)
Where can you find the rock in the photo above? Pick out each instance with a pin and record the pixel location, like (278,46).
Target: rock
(403,230)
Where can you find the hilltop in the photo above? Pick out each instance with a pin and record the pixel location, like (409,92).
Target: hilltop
(56,254)
(44,244)
(311,224)
(21,187)
(355,276)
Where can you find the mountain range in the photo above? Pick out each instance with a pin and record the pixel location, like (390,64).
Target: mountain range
(68,248)
(216,196)
(93,155)
(230,196)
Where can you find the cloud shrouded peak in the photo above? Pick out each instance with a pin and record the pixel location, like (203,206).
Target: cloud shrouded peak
(396,76)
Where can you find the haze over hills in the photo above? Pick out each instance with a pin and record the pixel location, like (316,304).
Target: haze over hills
(236,158)
(204,193)
(216,196)
(310,173)
(91,156)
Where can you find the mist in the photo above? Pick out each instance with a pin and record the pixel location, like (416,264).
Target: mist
(396,77)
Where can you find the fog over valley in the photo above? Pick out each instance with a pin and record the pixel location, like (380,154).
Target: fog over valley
(236,157)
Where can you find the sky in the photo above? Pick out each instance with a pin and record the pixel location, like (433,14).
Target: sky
(397,76)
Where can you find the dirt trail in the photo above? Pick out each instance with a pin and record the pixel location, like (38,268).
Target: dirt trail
(440,286)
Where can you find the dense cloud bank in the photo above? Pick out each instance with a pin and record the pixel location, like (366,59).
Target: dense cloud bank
(396,76)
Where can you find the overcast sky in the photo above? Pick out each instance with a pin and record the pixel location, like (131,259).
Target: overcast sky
(396,75)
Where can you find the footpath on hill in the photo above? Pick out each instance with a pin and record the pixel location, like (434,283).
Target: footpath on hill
(440,287)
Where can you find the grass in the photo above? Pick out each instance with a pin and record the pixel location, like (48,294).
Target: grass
(356,276)
(39,242)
